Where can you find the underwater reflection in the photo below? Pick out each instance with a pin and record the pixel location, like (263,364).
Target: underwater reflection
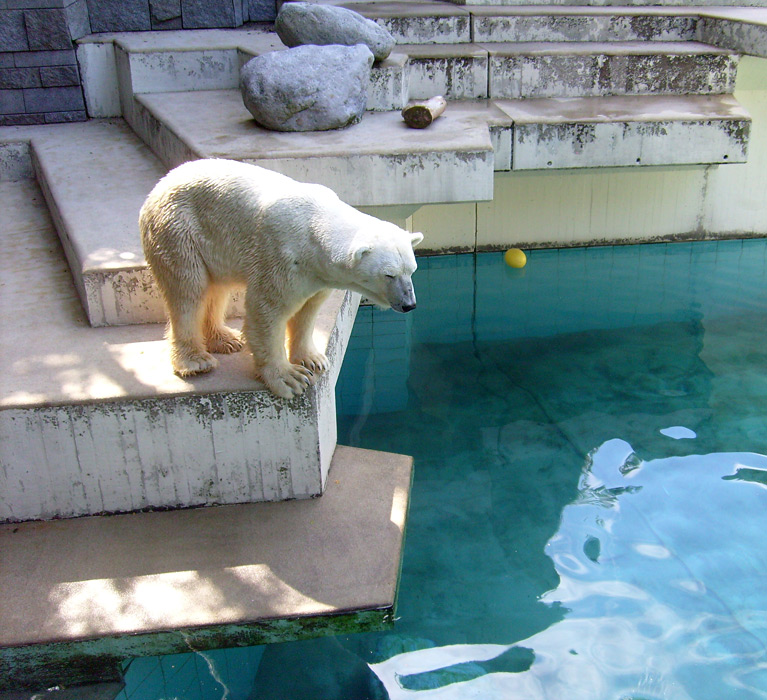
(661,566)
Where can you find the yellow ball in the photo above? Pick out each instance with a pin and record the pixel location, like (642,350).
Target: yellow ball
(514,257)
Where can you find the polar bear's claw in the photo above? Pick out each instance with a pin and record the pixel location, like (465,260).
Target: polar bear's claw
(225,341)
(315,362)
(287,381)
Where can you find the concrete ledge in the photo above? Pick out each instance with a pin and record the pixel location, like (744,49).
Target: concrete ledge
(379,161)
(80,596)
(627,131)
(740,29)
(582,23)
(96,214)
(94,420)
(601,69)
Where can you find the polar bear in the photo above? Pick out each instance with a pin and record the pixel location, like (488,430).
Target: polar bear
(211,225)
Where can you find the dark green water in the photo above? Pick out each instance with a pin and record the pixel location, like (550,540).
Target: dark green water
(559,545)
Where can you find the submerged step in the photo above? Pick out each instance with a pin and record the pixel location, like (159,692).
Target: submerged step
(626,131)
(81,596)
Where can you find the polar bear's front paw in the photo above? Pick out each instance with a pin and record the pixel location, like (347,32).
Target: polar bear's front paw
(189,364)
(311,359)
(287,380)
(225,341)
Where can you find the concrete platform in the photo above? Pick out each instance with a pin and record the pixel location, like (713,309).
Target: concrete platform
(94,420)
(626,130)
(533,23)
(80,596)
(601,69)
(417,22)
(379,161)
(96,214)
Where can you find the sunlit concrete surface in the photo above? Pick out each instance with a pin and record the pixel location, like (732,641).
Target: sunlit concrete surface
(95,588)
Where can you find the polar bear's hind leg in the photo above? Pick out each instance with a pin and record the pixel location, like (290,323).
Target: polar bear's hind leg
(184,290)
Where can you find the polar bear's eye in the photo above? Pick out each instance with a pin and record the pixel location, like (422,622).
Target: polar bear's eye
(391,277)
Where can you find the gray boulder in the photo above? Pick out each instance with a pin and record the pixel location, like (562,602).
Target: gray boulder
(308,88)
(300,23)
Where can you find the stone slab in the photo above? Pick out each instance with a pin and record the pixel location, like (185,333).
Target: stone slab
(94,420)
(82,595)
(379,161)
(740,29)
(557,23)
(419,22)
(627,131)
(457,72)
(599,69)
(96,176)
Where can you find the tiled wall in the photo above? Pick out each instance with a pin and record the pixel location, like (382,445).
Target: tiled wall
(39,77)
(376,364)
(209,675)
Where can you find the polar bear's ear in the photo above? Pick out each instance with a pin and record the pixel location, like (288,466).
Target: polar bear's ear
(360,252)
(415,239)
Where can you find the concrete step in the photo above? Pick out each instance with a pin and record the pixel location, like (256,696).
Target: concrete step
(741,27)
(567,69)
(144,64)
(620,3)
(94,420)
(545,23)
(417,22)
(95,177)
(586,69)
(376,162)
(628,130)
(81,596)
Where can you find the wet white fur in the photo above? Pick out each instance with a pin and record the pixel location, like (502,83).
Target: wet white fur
(212,225)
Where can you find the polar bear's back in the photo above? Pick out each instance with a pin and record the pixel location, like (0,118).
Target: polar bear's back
(230,212)
(205,183)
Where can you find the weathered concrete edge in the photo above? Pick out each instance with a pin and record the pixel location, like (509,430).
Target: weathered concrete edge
(100,660)
(733,33)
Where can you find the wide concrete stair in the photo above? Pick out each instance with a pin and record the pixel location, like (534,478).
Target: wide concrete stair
(530,87)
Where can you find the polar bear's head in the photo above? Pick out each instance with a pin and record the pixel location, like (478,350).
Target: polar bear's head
(383,264)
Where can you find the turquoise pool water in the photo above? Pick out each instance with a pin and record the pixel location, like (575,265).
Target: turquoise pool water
(589,506)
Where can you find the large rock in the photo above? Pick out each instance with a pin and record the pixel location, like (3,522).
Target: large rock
(300,23)
(308,88)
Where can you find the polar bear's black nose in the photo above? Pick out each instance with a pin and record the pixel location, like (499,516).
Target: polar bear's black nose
(407,307)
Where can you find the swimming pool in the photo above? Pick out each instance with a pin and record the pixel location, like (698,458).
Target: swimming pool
(588,510)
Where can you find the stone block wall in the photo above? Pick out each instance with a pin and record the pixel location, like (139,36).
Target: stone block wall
(39,76)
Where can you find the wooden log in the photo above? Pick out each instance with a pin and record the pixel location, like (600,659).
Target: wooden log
(418,115)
